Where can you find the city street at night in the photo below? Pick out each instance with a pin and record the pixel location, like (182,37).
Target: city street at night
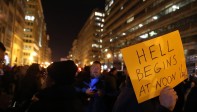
(98,56)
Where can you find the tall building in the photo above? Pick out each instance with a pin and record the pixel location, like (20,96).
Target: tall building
(11,28)
(88,44)
(45,51)
(33,34)
(45,54)
(6,22)
(23,32)
(74,52)
(129,22)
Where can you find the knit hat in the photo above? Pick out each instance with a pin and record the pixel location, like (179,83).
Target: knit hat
(62,72)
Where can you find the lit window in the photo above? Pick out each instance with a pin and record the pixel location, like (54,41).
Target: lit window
(122,8)
(95,45)
(111,2)
(31,18)
(98,18)
(175,7)
(98,14)
(144,36)
(102,25)
(123,34)
(111,40)
(140,25)
(101,30)
(152,33)
(103,20)
(98,30)
(27,29)
(98,24)
(101,41)
(130,19)
(106,50)
(106,8)
(155,17)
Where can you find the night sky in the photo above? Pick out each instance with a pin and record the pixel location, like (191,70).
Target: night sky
(64,21)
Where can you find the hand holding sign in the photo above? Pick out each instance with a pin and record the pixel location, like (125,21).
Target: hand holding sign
(155,64)
(168,98)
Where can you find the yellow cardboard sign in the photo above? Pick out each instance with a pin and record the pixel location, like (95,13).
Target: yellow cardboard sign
(154,64)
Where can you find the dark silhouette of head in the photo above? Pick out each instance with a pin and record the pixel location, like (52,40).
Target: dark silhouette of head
(33,70)
(62,72)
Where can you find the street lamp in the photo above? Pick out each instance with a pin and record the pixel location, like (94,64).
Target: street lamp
(108,57)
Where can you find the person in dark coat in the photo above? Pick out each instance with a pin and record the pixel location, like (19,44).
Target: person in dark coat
(111,88)
(127,101)
(81,84)
(95,89)
(60,96)
(30,85)
(4,98)
(191,102)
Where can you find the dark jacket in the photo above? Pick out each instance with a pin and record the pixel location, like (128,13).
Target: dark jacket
(57,98)
(97,102)
(127,102)
(191,102)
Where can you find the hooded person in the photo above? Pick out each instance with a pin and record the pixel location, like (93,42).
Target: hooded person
(60,95)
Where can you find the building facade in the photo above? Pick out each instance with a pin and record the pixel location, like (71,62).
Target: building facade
(87,47)
(129,22)
(35,37)
(23,32)
(12,24)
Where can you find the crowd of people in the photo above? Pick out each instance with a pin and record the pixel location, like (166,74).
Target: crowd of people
(62,88)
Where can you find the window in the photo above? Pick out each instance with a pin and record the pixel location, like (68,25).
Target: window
(155,17)
(111,3)
(95,45)
(130,19)
(144,36)
(30,18)
(152,33)
(122,8)
(106,7)
(28,30)
(98,18)
(98,14)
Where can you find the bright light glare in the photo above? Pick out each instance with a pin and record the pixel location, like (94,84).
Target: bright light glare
(108,55)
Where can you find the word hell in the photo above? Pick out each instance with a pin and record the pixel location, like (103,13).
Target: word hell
(152,51)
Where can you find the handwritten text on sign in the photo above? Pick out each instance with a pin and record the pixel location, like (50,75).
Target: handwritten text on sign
(154,64)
